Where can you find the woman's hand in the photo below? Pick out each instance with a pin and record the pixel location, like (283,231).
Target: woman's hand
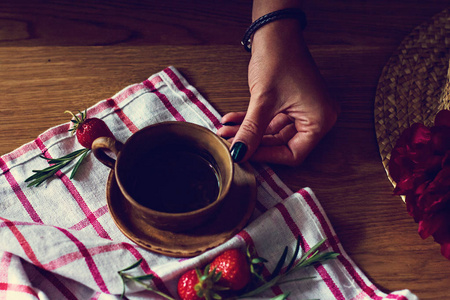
(290,108)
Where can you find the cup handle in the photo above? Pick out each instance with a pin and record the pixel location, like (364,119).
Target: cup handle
(106,143)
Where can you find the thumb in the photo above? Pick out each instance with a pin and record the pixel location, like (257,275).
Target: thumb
(250,132)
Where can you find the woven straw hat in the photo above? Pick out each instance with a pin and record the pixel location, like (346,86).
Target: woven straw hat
(414,84)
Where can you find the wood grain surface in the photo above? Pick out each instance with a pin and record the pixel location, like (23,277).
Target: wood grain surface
(58,55)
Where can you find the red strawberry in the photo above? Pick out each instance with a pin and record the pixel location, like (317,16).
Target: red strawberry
(195,285)
(234,267)
(87,130)
(186,286)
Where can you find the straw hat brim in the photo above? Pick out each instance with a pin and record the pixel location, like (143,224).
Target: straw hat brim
(414,84)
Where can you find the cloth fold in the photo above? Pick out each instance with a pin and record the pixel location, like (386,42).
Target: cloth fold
(58,241)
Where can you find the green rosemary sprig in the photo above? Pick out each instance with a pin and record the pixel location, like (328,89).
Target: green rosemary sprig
(310,258)
(313,256)
(140,280)
(57,164)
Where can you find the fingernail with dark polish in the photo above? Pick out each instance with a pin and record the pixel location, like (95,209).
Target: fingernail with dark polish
(229,124)
(238,151)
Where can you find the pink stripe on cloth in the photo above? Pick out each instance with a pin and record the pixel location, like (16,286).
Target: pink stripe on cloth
(155,80)
(26,247)
(97,276)
(19,193)
(320,268)
(52,132)
(267,177)
(18,152)
(127,121)
(130,91)
(83,205)
(20,288)
(96,296)
(4,265)
(118,98)
(82,253)
(64,290)
(343,259)
(76,195)
(191,96)
(362,295)
(173,111)
(71,257)
(85,222)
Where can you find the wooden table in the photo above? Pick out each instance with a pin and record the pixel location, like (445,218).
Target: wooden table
(58,56)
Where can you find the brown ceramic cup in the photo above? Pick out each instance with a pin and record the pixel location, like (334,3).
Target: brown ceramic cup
(174,175)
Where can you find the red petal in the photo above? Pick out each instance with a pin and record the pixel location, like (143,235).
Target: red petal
(430,224)
(419,147)
(421,134)
(440,137)
(411,207)
(400,166)
(404,186)
(404,138)
(431,166)
(442,118)
(446,160)
(445,250)
(442,236)
(441,182)
(436,195)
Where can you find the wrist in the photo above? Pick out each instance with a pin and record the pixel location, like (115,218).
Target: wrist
(276,17)
(263,7)
(280,32)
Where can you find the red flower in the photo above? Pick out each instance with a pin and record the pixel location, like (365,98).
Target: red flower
(442,118)
(420,165)
(413,147)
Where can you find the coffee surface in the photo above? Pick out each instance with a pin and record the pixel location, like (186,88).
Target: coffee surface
(174,181)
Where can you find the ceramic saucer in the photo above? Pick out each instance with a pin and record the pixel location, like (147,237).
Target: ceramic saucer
(231,218)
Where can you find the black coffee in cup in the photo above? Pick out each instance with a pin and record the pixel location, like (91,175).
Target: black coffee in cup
(174,180)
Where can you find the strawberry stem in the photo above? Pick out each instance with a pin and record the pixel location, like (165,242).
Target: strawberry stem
(76,120)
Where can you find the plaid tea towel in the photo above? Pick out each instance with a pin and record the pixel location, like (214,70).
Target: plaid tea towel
(58,240)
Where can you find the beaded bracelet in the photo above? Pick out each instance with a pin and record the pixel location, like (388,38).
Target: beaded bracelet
(288,13)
